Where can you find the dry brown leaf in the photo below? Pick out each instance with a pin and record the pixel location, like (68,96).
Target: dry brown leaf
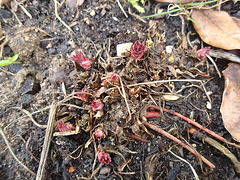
(217,28)
(230,107)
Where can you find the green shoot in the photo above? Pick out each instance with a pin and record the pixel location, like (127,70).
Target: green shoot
(180,4)
(190,19)
(6,62)
(136,5)
(201,3)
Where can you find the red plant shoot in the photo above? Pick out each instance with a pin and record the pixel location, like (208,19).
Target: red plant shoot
(203,52)
(97,105)
(82,96)
(99,133)
(84,62)
(63,127)
(114,77)
(104,157)
(137,50)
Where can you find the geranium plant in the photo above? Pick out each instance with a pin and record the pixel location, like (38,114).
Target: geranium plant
(137,50)
(203,52)
(104,157)
(97,105)
(84,62)
(63,127)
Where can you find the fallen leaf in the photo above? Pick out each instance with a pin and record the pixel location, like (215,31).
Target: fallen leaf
(230,107)
(217,28)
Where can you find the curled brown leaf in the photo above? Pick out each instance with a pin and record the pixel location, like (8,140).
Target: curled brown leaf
(230,107)
(217,28)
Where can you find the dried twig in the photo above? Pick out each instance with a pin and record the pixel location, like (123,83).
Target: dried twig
(158,129)
(26,147)
(218,146)
(31,117)
(193,170)
(47,141)
(214,64)
(59,18)
(136,16)
(224,55)
(24,10)
(119,4)
(191,122)
(15,157)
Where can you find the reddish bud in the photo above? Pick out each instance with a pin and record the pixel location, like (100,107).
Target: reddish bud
(86,64)
(114,77)
(62,127)
(203,52)
(97,105)
(82,96)
(70,108)
(104,157)
(137,50)
(81,60)
(99,133)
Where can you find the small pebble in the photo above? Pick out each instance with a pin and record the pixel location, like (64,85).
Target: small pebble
(209,105)
(52,51)
(92,13)
(169,49)
(105,170)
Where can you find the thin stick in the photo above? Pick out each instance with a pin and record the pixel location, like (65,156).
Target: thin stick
(24,10)
(119,4)
(47,141)
(59,18)
(218,146)
(193,170)
(155,128)
(12,153)
(125,98)
(131,135)
(195,124)
(214,64)
(26,147)
(136,16)
(31,117)
(164,81)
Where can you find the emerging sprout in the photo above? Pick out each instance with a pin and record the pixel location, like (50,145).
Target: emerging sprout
(82,96)
(99,133)
(84,62)
(203,52)
(114,78)
(97,105)
(62,127)
(137,50)
(104,157)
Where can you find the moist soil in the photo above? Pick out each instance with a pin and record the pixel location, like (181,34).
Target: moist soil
(46,76)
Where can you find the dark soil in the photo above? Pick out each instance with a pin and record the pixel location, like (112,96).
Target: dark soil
(44,45)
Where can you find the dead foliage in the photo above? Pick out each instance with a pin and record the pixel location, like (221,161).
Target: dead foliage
(217,28)
(230,107)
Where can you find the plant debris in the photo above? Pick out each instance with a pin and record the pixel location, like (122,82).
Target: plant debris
(217,28)
(230,106)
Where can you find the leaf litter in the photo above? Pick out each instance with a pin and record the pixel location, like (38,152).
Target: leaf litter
(217,28)
(230,106)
